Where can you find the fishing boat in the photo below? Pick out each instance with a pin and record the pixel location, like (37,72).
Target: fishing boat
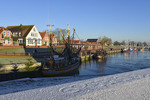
(135,49)
(100,54)
(60,69)
(65,63)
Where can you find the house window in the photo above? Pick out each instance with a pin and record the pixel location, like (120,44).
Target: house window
(30,41)
(19,33)
(20,41)
(7,33)
(8,41)
(2,36)
(4,33)
(32,34)
(15,34)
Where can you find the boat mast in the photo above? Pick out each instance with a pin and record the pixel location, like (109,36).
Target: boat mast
(68,34)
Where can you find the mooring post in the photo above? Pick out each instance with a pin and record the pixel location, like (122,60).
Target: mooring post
(90,55)
(85,55)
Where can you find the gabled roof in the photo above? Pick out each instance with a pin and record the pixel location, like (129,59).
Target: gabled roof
(2,29)
(92,40)
(42,34)
(24,29)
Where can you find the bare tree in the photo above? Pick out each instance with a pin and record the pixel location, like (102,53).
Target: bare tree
(139,44)
(144,43)
(58,34)
(116,43)
(105,40)
(123,42)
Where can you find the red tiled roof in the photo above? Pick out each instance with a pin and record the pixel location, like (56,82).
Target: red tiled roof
(74,41)
(42,34)
(84,42)
(2,29)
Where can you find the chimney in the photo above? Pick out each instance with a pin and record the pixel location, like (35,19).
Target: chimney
(20,25)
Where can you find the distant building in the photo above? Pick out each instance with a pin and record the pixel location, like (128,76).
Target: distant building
(75,43)
(96,41)
(5,37)
(45,38)
(27,35)
(53,39)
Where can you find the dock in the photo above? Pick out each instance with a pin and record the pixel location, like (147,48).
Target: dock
(88,55)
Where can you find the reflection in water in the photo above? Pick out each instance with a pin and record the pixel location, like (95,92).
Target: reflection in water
(93,67)
(102,63)
(116,63)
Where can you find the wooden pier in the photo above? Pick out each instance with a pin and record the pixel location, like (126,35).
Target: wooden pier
(113,51)
(88,55)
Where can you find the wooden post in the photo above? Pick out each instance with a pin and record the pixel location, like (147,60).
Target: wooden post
(90,56)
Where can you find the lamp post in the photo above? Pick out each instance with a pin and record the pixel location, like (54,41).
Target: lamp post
(50,34)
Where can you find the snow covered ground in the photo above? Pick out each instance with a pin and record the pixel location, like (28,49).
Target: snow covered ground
(133,85)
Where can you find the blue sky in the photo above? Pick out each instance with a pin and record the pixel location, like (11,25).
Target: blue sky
(117,19)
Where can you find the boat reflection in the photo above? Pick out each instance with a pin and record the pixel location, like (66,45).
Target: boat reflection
(93,67)
(102,63)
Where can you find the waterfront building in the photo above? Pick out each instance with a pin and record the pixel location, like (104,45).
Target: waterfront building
(5,37)
(93,41)
(45,38)
(54,39)
(75,43)
(26,35)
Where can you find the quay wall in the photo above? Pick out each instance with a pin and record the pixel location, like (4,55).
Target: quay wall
(89,55)
(8,68)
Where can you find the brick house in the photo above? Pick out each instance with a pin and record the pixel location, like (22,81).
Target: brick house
(45,38)
(5,37)
(54,39)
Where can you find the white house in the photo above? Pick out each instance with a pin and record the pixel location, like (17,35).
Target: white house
(27,35)
(34,38)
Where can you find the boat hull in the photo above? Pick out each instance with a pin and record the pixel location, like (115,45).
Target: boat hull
(70,70)
(100,57)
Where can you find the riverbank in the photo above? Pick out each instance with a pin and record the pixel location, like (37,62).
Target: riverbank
(126,86)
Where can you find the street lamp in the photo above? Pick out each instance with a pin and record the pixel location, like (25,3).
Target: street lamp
(50,34)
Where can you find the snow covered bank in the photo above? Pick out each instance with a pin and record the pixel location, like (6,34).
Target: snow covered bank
(126,86)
